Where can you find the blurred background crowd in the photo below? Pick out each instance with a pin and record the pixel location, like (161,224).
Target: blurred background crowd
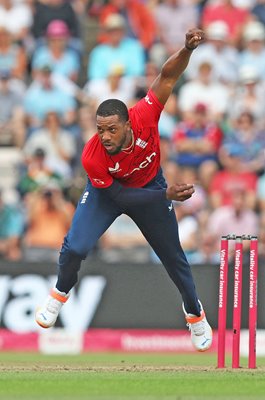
(60,58)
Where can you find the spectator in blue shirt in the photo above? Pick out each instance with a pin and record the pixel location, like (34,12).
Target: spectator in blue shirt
(120,50)
(44,96)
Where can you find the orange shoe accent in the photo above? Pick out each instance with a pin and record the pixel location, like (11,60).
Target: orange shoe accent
(59,297)
(193,320)
(43,326)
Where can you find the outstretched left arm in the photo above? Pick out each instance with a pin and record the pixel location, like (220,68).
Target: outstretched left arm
(175,66)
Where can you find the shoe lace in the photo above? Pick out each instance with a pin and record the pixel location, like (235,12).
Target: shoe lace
(198,328)
(53,305)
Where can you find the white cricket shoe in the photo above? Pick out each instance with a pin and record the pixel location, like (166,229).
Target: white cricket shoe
(46,315)
(201,332)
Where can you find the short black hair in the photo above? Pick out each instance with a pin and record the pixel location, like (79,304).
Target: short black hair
(113,107)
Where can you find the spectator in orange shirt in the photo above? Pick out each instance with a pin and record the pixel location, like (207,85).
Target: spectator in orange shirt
(49,218)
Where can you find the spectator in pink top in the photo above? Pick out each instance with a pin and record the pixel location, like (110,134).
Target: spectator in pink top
(234,218)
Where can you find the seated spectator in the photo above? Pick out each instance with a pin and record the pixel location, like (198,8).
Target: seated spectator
(216,50)
(235,218)
(230,178)
(35,173)
(16,17)
(206,250)
(12,127)
(118,50)
(196,143)
(249,95)
(115,86)
(173,17)
(43,95)
(205,90)
(12,56)
(49,217)
(253,51)
(225,10)
(139,20)
(57,143)
(11,230)
(245,137)
(123,241)
(54,52)
(49,10)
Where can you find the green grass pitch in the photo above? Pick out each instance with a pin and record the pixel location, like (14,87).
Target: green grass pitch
(116,376)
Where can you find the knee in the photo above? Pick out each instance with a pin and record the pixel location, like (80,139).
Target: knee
(74,248)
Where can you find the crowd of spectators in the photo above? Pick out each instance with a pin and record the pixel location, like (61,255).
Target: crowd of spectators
(59,59)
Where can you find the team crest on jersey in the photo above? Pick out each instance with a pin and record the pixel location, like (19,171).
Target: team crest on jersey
(115,169)
(141,143)
(147,99)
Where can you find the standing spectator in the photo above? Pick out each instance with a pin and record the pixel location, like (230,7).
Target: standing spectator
(139,20)
(11,230)
(118,50)
(48,10)
(173,17)
(224,10)
(56,53)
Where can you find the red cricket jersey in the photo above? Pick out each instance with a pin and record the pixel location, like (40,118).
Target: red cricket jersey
(142,164)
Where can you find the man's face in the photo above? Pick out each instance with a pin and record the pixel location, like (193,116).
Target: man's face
(113,133)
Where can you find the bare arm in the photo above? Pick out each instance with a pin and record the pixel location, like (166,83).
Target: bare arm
(175,66)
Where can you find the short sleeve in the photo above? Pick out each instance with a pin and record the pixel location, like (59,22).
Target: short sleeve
(148,109)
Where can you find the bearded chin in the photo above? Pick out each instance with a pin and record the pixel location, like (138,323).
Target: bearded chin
(117,150)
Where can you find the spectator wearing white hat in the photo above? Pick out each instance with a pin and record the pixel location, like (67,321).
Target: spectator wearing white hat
(219,52)
(206,90)
(115,86)
(249,95)
(253,53)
